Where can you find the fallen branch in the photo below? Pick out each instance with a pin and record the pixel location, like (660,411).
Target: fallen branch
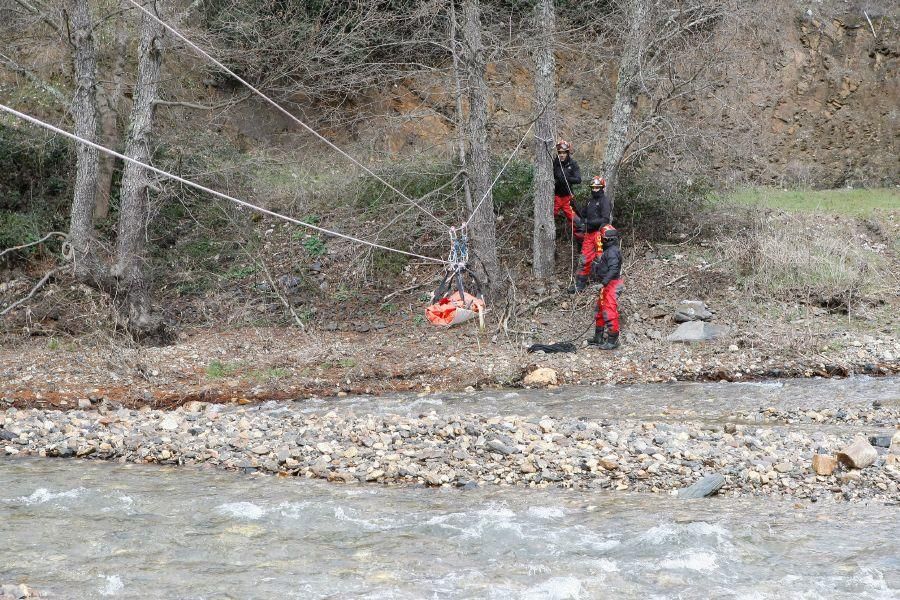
(33,291)
(281,297)
(195,106)
(43,239)
(406,289)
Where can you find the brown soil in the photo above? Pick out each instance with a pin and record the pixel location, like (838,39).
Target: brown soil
(404,354)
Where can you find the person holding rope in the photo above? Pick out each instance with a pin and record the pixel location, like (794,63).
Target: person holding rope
(607,268)
(591,220)
(566,173)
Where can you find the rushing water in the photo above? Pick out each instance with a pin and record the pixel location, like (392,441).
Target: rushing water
(80,529)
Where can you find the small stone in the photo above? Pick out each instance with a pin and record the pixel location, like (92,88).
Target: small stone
(783,467)
(84,404)
(880,441)
(546,425)
(501,448)
(260,450)
(169,423)
(823,464)
(707,486)
(851,475)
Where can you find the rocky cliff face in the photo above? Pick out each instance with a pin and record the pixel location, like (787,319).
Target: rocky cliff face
(809,97)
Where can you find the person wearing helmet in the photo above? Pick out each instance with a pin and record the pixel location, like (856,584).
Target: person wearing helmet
(607,268)
(565,175)
(592,218)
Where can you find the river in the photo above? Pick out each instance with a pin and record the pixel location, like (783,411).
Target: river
(90,529)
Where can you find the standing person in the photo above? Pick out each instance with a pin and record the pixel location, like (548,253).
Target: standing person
(608,270)
(565,175)
(592,219)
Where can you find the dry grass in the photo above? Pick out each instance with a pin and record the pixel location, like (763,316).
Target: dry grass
(802,257)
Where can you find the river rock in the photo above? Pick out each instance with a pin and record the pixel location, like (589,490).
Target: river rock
(895,443)
(823,464)
(169,423)
(692,310)
(707,486)
(858,455)
(880,441)
(698,331)
(541,377)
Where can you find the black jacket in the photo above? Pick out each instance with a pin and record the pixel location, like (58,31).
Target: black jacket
(563,171)
(595,213)
(609,265)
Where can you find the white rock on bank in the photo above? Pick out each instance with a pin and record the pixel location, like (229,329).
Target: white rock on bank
(541,377)
(698,331)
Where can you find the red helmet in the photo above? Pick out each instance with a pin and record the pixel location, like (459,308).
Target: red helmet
(564,146)
(609,233)
(597,181)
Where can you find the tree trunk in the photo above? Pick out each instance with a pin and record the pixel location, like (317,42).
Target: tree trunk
(627,89)
(109,119)
(545,108)
(484,227)
(131,267)
(84,112)
(460,115)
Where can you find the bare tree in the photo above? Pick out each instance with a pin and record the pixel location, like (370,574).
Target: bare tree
(130,268)
(669,52)
(84,110)
(109,100)
(545,107)
(484,228)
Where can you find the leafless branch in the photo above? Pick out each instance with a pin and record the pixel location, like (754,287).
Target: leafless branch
(40,241)
(33,291)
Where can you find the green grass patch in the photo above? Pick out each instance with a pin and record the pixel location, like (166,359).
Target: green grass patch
(218,369)
(269,374)
(854,202)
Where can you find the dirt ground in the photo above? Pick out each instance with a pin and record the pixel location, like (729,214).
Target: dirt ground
(402,353)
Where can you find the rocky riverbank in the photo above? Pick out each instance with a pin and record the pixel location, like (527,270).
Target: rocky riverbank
(759,459)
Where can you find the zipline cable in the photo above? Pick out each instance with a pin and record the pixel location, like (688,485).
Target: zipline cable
(187,182)
(283,110)
(499,173)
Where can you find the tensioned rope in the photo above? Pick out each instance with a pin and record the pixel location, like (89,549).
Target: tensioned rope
(283,110)
(499,173)
(187,182)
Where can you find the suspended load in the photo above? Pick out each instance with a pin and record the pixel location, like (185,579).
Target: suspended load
(451,304)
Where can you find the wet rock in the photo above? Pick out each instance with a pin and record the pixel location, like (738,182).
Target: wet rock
(880,441)
(707,486)
(540,377)
(698,331)
(858,455)
(497,446)
(823,464)
(691,310)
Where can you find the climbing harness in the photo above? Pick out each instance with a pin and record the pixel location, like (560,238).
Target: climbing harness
(452,302)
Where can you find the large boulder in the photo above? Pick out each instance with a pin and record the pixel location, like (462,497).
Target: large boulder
(692,310)
(858,455)
(540,377)
(698,331)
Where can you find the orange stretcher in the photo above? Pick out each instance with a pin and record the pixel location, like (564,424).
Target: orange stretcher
(455,309)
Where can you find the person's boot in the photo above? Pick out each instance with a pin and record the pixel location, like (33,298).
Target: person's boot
(579,285)
(599,337)
(612,342)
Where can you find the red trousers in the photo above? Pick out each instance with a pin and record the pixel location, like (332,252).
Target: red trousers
(608,306)
(589,244)
(563,204)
